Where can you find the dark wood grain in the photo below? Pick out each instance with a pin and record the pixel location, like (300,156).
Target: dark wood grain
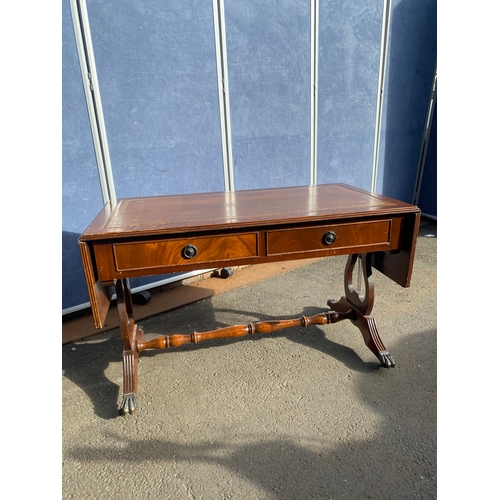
(145,236)
(100,296)
(211,211)
(261,327)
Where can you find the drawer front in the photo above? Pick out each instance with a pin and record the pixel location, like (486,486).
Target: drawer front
(133,256)
(360,236)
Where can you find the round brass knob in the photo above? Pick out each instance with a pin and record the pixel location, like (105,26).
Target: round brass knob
(189,251)
(329,237)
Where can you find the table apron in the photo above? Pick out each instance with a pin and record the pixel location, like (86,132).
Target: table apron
(158,254)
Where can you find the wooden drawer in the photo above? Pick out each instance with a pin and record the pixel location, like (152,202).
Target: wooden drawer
(133,256)
(359,236)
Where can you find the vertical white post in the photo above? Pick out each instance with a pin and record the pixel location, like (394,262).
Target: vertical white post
(314,89)
(223,85)
(93,97)
(384,47)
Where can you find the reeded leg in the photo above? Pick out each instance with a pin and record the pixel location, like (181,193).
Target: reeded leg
(361,304)
(130,335)
(372,339)
(129,382)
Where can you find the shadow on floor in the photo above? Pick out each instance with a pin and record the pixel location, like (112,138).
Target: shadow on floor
(399,461)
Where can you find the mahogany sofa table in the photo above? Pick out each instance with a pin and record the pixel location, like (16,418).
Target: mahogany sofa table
(166,234)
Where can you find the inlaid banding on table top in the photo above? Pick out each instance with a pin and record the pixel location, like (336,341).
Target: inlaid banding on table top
(238,209)
(144,223)
(135,217)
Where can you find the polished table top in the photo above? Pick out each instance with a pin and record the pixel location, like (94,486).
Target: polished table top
(238,209)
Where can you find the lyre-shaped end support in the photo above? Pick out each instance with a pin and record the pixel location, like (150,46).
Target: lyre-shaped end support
(363,300)
(361,304)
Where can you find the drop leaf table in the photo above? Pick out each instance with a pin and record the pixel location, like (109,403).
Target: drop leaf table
(166,234)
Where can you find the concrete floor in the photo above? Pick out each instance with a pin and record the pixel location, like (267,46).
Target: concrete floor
(304,413)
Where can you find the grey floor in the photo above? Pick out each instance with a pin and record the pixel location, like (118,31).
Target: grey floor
(304,413)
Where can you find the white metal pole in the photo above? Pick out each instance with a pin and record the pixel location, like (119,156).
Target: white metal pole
(314,90)
(92,96)
(223,85)
(384,47)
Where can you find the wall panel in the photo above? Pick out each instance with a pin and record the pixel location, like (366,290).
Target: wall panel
(157,73)
(81,191)
(427,200)
(156,64)
(349,52)
(268,51)
(410,76)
